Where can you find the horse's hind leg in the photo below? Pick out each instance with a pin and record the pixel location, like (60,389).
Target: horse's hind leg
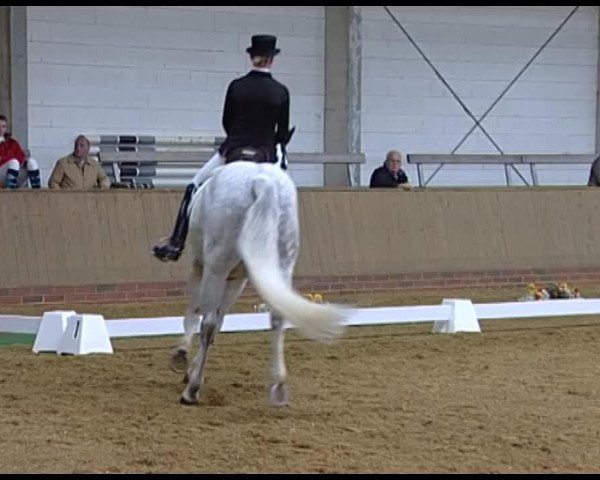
(288,247)
(179,359)
(217,296)
(279,389)
(280,392)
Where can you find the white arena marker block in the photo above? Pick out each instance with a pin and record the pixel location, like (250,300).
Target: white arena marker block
(85,334)
(51,330)
(462,317)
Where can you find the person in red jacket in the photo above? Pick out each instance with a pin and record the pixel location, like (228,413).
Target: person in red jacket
(12,158)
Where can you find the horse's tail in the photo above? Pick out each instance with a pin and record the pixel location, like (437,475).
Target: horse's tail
(258,245)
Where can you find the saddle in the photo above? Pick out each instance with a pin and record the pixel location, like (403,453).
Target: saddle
(248,154)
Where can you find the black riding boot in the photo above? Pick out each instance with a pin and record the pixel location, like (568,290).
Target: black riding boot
(173,249)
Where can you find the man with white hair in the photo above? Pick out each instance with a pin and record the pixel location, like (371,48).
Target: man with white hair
(255,119)
(12,158)
(390,174)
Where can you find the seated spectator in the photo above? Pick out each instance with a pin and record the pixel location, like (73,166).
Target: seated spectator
(594,180)
(78,171)
(390,174)
(13,159)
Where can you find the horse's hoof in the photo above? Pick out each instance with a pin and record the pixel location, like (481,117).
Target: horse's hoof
(190,396)
(179,361)
(187,401)
(280,395)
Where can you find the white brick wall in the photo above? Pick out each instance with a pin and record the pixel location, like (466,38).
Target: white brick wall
(163,71)
(479,50)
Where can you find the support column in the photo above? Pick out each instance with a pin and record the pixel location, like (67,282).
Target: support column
(598,87)
(5,85)
(18,74)
(343,62)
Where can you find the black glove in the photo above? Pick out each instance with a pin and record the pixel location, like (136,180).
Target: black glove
(283,143)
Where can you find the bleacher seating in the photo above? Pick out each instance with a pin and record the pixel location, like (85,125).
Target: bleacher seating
(508,161)
(168,162)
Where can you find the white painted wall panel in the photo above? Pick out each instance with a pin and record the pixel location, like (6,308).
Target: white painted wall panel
(479,50)
(163,71)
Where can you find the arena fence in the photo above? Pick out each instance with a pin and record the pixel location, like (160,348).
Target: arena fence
(71,333)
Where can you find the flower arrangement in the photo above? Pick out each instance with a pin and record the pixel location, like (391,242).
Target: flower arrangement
(552,291)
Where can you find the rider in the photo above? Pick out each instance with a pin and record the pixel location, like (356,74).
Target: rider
(255,119)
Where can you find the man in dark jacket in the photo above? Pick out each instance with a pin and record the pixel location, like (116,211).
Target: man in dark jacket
(255,119)
(390,174)
(594,180)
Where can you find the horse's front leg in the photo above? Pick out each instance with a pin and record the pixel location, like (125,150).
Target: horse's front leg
(279,389)
(211,324)
(179,359)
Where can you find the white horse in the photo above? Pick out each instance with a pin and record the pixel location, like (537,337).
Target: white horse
(244,222)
